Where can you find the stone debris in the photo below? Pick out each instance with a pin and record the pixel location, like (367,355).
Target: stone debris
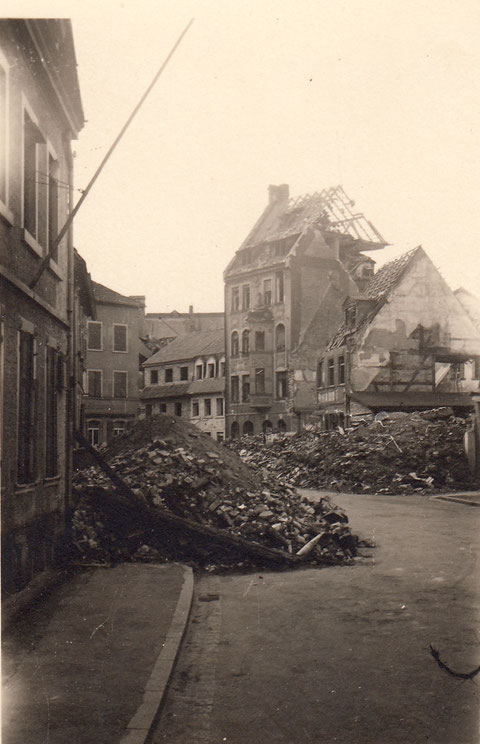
(392,453)
(197,479)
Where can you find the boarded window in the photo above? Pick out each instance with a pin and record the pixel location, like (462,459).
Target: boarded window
(26,409)
(94,383)
(94,335)
(119,384)
(119,337)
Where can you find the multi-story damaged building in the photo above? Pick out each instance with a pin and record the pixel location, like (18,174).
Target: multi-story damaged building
(407,342)
(284,290)
(40,114)
(115,353)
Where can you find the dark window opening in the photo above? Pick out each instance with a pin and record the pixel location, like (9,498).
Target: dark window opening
(248,428)
(280,337)
(184,373)
(282,384)
(280,286)
(331,371)
(267,291)
(219,404)
(178,409)
(119,384)
(281,425)
(207,405)
(235,298)
(119,337)
(199,372)
(259,340)
(119,428)
(320,374)
(235,430)
(94,335)
(350,316)
(27,415)
(211,369)
(234,344)
(51,413)
(195,408)
(169,375)
(163,407)
(341,370)
(93,432)
(245,388)
(154,377)
(94,383)
(148,410)
(246,296)
(234,388)
(222,369)
(245,342)
(260,381)
(52,206)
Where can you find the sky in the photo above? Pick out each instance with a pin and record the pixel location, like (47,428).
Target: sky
(381,96)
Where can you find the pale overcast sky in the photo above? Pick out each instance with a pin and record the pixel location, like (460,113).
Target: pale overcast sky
(381,96)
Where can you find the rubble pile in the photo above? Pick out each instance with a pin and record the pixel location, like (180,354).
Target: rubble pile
(391,454)
(169,465)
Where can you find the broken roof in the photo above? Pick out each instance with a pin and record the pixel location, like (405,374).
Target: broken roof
(377,289)
(189,346)
(329,210)
(108,296)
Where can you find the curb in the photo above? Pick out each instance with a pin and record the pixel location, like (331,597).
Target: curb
(457,500)
(139,726)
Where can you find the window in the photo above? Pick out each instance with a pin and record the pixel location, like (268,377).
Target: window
(211,369)
(3,131)
(331,371)
(219,436)
(119,384)
(169,375)
(222,369)
(245,342)
(476,368)
(162,407)
(320,374)
(235,430)
(119,428)
(280,337)
(93,432)
(246,296)
(245,388)
(279,286)
(457,371)
(282,384)
(148,410)
(281,425)
(267,291)
(207,406)
(259,340)
(27,403)
(234,344)
(341,370)
(235,298)
(184,373)
(119,337)
(154,377)
(53,381)
(94,385)
(248,428)
(260,381)
(234,388)
(52,205)
(195,408)
(199,372)
(94,335)
(32,186)
(178,409)
(350,316)
(219,404)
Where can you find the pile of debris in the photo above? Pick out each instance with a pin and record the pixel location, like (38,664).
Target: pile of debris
(392,454)
(185,497)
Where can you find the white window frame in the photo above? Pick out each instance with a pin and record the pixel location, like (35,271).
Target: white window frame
(207,415)
(101,382)
(5,211)
(123,423)
(219,415)
(32,241)
(197,403)
(89,429)
(120,351)
(123,372)
(100,323)
(51,152)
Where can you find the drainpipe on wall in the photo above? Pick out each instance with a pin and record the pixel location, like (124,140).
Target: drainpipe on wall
(71,408)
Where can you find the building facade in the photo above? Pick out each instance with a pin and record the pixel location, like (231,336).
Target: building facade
(40,113)
(115,353)
(187,378)
(406,342)
(284,291)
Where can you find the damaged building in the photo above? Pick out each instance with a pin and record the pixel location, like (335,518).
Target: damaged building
(407,342)
(284,294)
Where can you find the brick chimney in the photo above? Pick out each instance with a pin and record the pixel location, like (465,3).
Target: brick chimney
(278,194)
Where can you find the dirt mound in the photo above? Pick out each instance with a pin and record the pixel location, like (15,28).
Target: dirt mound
(394,453)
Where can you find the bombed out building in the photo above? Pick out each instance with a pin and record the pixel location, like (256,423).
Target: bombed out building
(284,294)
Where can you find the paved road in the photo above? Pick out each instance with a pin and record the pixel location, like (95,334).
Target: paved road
(340,654)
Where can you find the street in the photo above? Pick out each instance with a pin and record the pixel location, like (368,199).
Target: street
(340,654)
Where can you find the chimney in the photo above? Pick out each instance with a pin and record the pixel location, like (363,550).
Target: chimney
(278,194)
(138,298)
(190,309)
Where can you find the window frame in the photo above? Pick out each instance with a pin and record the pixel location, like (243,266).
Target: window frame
(94,322)
(245,296)
(207,407)
(27,422)
(120,372)
(235,296)
(219,407)
(195,409)
(123,431)
(120,351)
(92,428)
(32,238)
(184,373)
(100,372)
(5,210)
(153,372)
(170,374)
(53,359)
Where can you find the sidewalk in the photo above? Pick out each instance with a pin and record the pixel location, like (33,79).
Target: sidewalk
(90,664)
